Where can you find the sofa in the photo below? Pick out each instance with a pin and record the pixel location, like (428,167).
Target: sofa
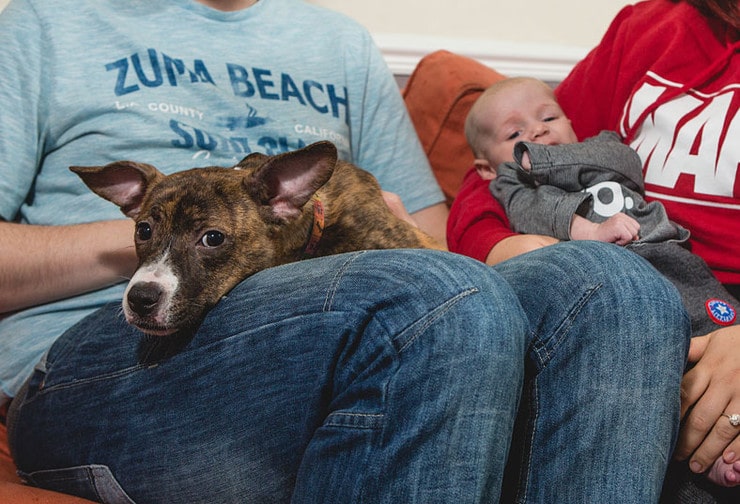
(438,95)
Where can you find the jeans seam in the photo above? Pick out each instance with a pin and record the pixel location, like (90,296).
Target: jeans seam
(544,355)
(527,466)
(91,473)
(83,381)
(541,349)
(334,284)
(435,315)
(374,420)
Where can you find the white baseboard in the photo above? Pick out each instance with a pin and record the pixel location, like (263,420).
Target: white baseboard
(549,62)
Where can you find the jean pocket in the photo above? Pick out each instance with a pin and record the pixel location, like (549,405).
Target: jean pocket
(93,482)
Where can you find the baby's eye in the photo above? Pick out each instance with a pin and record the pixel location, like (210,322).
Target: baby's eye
(514,135)
(550,118)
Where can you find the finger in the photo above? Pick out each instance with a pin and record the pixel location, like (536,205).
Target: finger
(722,436)
(731,455)
(526,164)
(694,430)
(697,347)
(623,239)
(700,410)
(733,475)
(393,201)
(693,385)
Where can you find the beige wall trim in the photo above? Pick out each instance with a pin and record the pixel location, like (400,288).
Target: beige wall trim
(550,62)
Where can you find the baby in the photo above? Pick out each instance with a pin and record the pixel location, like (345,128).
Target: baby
(576,191)
(550,184)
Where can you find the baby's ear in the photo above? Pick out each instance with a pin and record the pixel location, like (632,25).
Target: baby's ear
(484,169)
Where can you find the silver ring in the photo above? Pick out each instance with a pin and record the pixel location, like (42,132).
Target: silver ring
(734,419)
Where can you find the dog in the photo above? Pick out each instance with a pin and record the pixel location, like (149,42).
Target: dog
(201,231)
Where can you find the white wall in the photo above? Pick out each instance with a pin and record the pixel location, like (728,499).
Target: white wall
(543,38)
(568,22)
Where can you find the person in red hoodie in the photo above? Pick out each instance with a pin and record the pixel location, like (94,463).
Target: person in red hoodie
(666,77)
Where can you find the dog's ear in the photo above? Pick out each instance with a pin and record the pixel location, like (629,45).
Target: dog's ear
(254,160)
(122,182)
(286,182)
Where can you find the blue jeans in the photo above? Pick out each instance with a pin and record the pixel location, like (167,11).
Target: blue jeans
(384,376)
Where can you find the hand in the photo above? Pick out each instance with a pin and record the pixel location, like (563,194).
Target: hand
(394,202)
(432,220)
(526,163)
(619,228)
(709,390)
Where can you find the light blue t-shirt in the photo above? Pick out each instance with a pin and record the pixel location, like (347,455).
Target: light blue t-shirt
(178,85)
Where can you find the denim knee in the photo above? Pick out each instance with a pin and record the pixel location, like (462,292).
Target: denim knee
(622,278)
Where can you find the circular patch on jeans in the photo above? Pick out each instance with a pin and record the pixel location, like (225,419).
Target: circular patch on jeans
(721,312)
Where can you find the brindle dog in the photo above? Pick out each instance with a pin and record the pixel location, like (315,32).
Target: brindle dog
(201,231)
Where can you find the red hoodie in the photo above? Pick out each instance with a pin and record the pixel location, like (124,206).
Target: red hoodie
(668,80)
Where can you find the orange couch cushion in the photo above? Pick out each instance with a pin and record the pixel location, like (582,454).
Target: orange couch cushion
(7,468)
(438,96)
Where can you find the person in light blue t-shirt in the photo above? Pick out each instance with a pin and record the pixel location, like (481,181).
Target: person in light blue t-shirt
(376,376)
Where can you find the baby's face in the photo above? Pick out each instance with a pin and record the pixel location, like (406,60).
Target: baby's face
(525,112)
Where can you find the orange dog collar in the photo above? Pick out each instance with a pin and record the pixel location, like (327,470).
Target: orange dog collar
(317,230)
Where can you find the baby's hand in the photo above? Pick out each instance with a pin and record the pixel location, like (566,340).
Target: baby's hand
(619,228)
(724,474)
(526,163)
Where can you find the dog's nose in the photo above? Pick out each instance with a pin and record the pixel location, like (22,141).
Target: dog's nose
(143,297)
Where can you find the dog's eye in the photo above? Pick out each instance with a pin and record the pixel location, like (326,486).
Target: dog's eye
(143,231)
(212,238)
